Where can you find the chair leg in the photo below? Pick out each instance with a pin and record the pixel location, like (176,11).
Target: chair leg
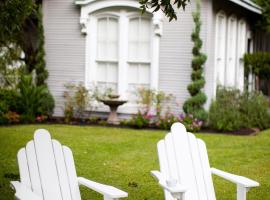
(108,198)
(241,192)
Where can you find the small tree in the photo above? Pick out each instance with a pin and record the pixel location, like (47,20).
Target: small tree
(194,105)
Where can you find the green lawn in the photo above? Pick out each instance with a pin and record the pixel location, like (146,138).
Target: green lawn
(124,157)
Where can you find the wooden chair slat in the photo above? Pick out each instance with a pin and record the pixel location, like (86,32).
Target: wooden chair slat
(164,167)
(72,175)
(47,165)
(206,171)
(184,160)
(62,170)
(23,168)
(200,184)
(33,168)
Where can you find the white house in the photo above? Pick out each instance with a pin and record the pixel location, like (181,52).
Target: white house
(109,43)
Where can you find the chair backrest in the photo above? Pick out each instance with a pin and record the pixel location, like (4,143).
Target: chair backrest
(184,157)
(48,168)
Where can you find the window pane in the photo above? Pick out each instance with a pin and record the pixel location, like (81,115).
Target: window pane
(107,39)
(112,73)
(133,38)
(101,38)
(112,34)
(144,74)
(139,39)
(133,73)
(101,72)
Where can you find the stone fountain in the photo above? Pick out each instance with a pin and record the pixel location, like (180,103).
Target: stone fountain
(113,102)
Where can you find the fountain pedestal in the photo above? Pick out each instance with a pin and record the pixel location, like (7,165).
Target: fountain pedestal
(113,104)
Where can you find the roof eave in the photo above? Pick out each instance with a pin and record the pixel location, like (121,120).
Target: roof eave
(248,5)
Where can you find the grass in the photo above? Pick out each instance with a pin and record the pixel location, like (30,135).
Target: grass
(124,157)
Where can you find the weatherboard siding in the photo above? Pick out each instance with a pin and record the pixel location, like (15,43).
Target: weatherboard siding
(64,46)
(176,53)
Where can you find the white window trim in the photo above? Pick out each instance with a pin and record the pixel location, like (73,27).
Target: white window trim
(88,21)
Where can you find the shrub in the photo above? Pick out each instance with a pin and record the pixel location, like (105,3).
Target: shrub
(194,105)
(3,110)
(77,100)
(224,112)
(233,110)
(254,110)
(166,121)
(12,117)
(140,120)
(8,102)
(33,100)
(152,100)
(189,121)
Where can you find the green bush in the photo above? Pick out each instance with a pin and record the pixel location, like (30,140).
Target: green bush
(77,100)
(233,110)
(140,120)
(33,100)
(224,112)
(254,109)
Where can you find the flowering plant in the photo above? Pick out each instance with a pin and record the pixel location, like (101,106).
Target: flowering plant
(191,123)
(41,118)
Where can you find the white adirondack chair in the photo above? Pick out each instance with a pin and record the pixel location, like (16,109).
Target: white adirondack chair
(47,172)
(185,172)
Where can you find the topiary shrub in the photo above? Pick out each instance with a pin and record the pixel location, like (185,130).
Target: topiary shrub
(194,105)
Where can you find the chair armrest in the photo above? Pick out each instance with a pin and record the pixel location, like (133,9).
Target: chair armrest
(105,190)
(24,193)
(239,180)
(171,186)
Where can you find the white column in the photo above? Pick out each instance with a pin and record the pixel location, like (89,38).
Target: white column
(123,54)
(157,24)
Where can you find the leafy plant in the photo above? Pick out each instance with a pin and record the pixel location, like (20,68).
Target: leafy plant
(152,100)
(77,100)
(194,105)
(233,110)
(12,117)
(140,120)
(166,6)
(33,100)
(189,121)
(258,63)
(224,112)
(254,110)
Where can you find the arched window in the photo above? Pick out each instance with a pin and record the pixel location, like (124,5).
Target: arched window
(121,46)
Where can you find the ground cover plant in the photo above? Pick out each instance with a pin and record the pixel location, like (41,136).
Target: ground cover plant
(124,157)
